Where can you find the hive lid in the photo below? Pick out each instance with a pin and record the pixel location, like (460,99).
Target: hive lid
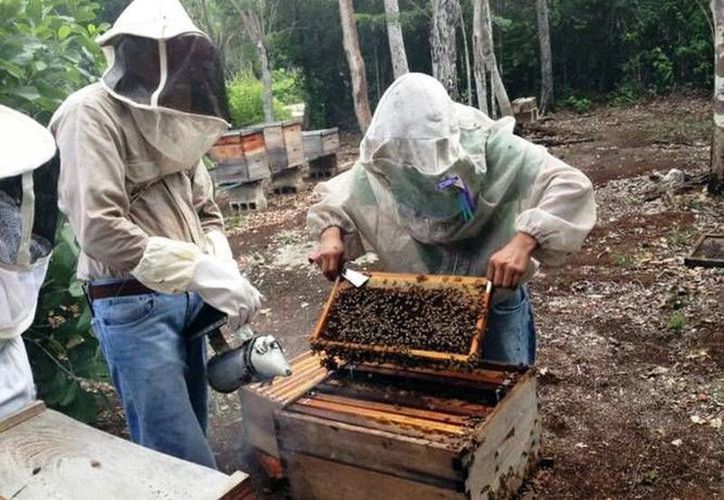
(475,292)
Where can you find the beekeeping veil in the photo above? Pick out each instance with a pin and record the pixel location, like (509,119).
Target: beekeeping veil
(170,74)
(426,156)
(28,216)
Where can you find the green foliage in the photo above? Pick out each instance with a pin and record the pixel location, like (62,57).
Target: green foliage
(246,101)
(64,354)
(676,322)
(46,52)
(287,86)
(578,104)
(625,261)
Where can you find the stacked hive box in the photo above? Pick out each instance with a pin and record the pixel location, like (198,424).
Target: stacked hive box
(446,426)
(286,154)
(320,150)
(241,166)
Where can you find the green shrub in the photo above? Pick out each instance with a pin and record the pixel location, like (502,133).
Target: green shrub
(246,101)
(47,51)
(64,354)
(287,86)
(578,104)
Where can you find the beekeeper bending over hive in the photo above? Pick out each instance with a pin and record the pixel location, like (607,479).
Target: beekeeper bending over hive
(141,204)
(28,217)
(440,188)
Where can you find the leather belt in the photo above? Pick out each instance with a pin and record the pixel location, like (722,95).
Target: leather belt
(120,289)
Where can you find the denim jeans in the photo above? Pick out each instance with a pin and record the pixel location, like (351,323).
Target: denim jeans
(160,375)
(510,335)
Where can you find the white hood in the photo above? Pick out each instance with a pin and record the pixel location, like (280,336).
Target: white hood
(170,75)
(24,144)
(157,19)
(28,215)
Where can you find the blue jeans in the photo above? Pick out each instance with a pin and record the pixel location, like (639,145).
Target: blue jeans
(510,335)
(159,374)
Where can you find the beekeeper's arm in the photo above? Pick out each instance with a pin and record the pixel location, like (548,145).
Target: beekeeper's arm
(93,194)
(212,221)
(559,212)
(330,222)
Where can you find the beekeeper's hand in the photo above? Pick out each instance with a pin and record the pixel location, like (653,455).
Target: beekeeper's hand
(507,266)
(170,266)
(221,285)
(329,256)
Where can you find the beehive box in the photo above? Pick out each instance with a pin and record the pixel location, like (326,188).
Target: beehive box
(260,402)
(376,425)
(428,319)
(255,153)
(292,131)
(319,143)
(240,157)
(386,432)
(708,251)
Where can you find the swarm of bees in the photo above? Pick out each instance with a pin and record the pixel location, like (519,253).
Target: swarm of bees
(440,320)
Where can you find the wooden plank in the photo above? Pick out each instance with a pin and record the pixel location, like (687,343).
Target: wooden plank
(378,415)
(328,480)
(54,456)
(25,413)
(293,143)
(437,416)
(509,440)
(376,449)
(330,141)
(312,144)
(259,402)
(697,256)
(367,423)
(454,406)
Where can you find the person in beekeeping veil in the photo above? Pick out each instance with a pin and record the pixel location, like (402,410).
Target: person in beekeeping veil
(28,217)
(141,204)
(441,188)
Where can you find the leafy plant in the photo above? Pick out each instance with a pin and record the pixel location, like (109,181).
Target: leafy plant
(245,101)
(676,322)
(578,104)
(47,51)
(64,354)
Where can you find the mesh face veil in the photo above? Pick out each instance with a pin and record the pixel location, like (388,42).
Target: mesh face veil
(29,170)
(170,75)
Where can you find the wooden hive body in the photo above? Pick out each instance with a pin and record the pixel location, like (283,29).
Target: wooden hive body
(386,430)
(450,438)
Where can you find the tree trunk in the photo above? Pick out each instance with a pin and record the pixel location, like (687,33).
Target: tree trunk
(496,82)
(716,176)
(481,86)
(442,44)
(350,40)
(546,58)
(466,50)
(394,35)
(253,27)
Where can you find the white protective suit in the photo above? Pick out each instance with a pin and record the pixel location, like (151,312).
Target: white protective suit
(419,140)
(133,185)
(28,179)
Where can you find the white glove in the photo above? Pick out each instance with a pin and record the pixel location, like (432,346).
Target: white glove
(218,245)
(220,284)
(170,266)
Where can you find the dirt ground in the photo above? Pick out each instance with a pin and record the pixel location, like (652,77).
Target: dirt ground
(631,342)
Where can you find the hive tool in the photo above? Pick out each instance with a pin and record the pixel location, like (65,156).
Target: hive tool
(259,358)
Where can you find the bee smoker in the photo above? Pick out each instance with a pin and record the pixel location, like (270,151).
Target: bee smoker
(259,358)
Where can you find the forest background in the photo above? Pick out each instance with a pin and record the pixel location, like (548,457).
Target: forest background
(603,51)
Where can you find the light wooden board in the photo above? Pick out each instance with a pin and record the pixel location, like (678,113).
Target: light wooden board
(53,456)
(328,480)
(509,443)
(260,401)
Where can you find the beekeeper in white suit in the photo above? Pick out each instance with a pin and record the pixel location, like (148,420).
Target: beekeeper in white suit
(141,204)
(28,196)
(441,188)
